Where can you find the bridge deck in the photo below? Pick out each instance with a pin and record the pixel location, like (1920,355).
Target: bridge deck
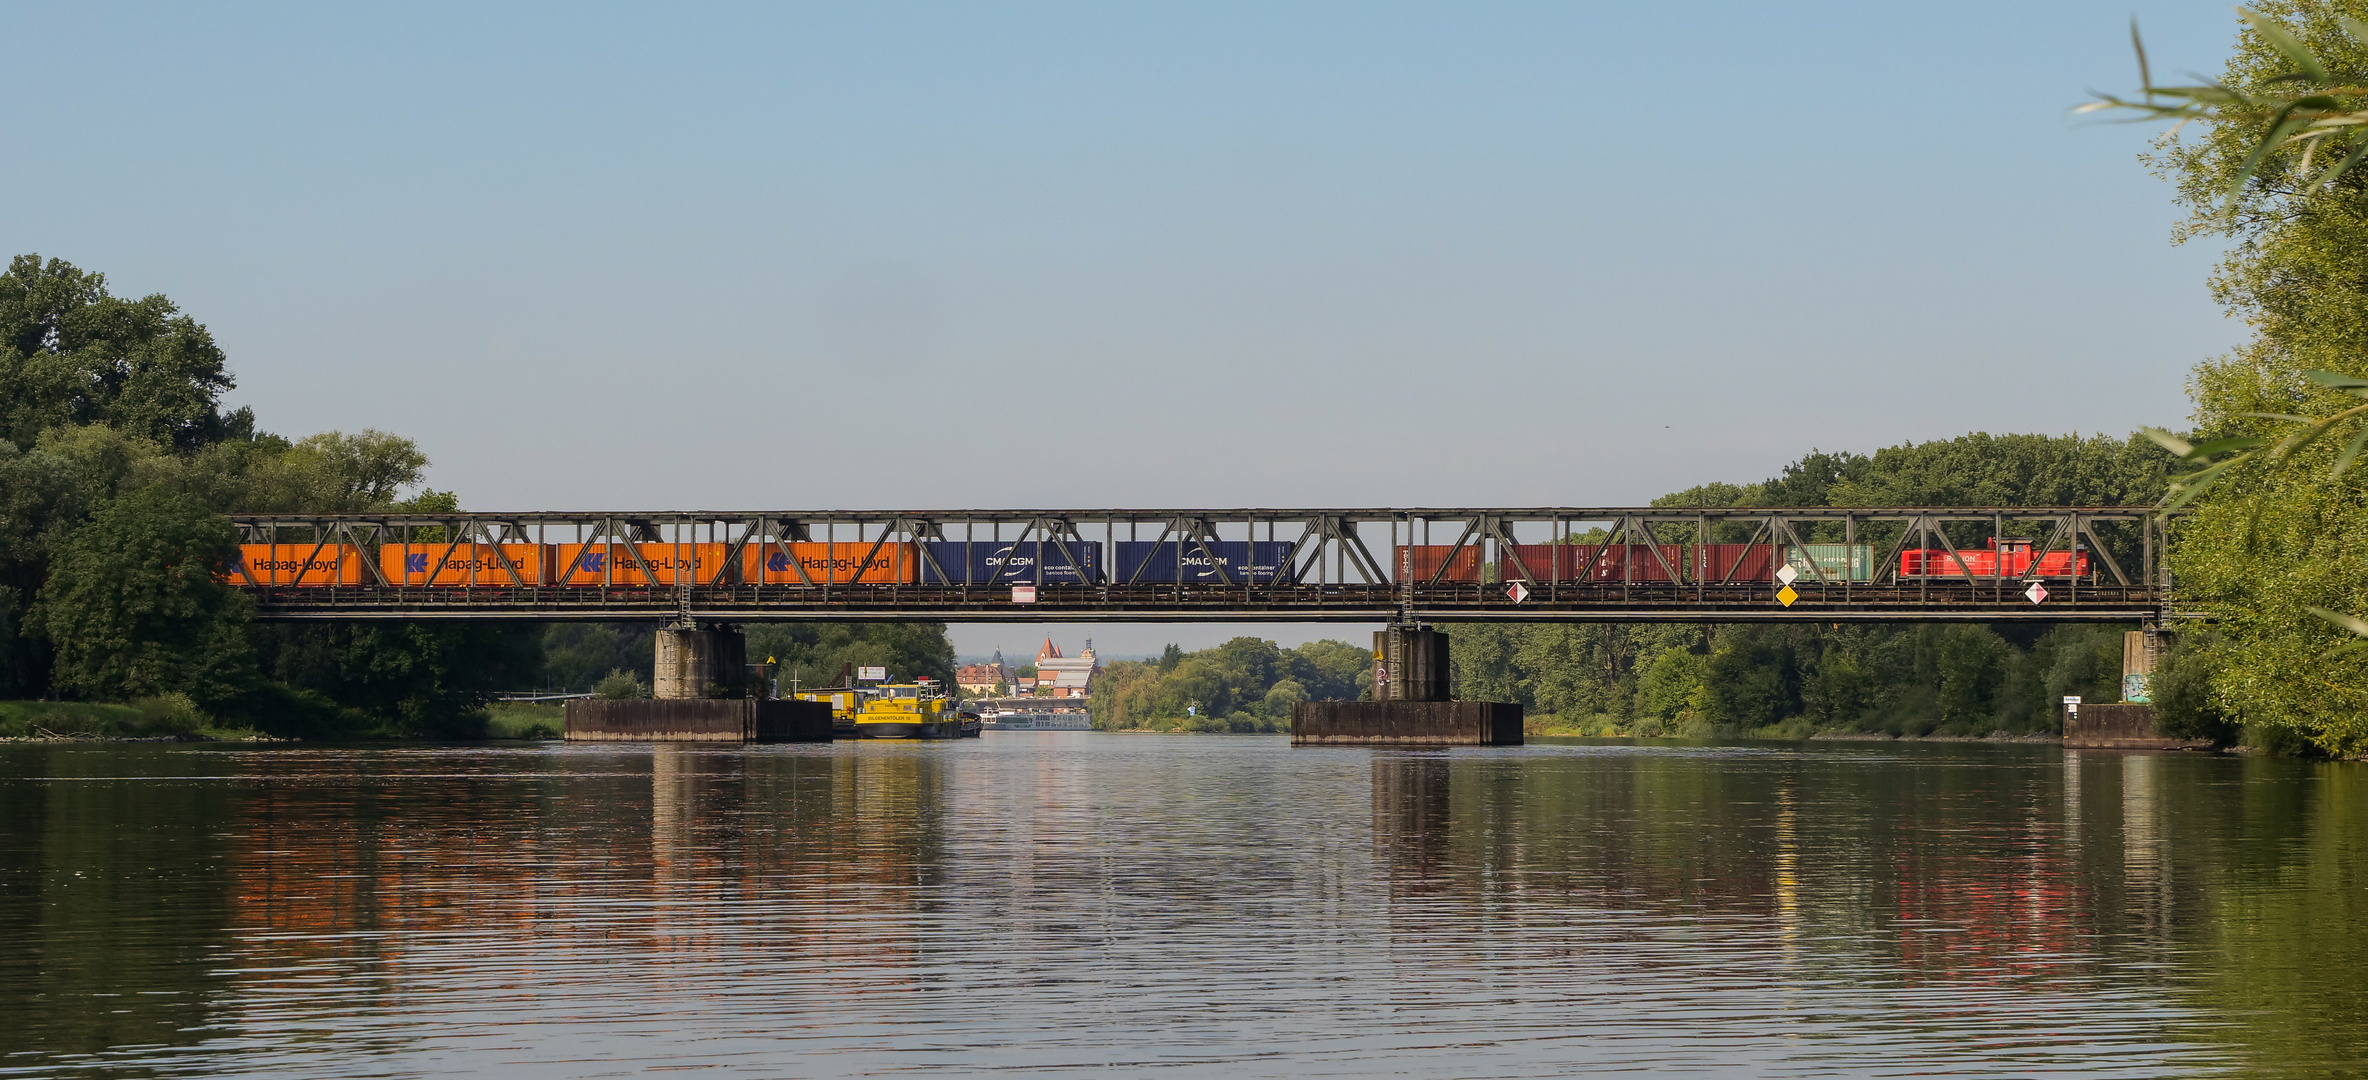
(1938,601)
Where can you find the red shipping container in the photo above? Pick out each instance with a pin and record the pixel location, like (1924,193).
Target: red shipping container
(623,565)
(1734,564)
(1423,560)
(480,565)
(300,565)
(1635,563)
(1545,562)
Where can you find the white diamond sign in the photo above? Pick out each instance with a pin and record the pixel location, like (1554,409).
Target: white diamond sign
(2036,592)
(1787,574)
(1519,592)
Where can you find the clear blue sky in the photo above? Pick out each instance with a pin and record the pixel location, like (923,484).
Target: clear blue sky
(1012,255)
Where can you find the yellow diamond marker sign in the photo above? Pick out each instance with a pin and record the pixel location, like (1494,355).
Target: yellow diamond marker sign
(1786,596)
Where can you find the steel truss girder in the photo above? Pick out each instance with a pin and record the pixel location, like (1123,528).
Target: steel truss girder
(1380,595)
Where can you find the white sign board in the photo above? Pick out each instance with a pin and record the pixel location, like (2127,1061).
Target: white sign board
(872,674)
(1023,594)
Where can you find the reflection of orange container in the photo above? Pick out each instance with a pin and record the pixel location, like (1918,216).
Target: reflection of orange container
(301,565)
(465,564)
(828,564)
(628,566)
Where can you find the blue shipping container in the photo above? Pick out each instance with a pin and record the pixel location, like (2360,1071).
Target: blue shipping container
(1258,561)
(987,562)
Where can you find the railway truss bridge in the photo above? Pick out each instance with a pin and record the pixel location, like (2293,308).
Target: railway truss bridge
(1403,566)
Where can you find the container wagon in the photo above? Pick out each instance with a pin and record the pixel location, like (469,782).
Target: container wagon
(491,566)
(1257,562)
(988,562)
(839,563)
(299,565)
(1584,562)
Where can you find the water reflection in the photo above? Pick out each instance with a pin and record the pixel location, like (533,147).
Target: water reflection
(1105,903)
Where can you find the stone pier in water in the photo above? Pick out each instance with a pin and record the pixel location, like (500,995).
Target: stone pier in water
(1410,706)
(701,692)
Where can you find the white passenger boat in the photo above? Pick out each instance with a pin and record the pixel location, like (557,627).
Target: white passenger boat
(999,719)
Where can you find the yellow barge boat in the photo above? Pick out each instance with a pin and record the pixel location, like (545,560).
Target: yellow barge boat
(909,711)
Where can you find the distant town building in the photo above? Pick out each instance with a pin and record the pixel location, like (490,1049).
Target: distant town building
(984,678)
(1066,677)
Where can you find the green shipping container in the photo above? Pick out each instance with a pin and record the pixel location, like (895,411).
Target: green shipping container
(1839,562)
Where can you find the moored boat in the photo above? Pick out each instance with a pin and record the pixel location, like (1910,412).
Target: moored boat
(908,711)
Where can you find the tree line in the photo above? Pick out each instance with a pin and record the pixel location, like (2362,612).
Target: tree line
(117,466)
(1245,685)
(1793,680)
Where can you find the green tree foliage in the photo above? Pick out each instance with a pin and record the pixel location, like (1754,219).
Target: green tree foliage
(619,685)
(2290,536)
(394,680)
(1244,685)
(71,354)
(813,654)
(1795,679)
(578,656)
(135,609)
(2181,688)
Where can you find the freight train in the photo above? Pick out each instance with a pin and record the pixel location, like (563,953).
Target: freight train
(1733,564)
(665,565)
(1233,562)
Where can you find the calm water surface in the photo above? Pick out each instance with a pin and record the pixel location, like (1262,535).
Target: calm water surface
(1048,903)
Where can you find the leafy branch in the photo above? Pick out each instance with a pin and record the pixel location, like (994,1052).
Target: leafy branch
(2235,452)
(2305,109)
(2243,449)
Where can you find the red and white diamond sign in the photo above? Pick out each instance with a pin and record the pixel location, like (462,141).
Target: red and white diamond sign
(1519,592)
(2036,592)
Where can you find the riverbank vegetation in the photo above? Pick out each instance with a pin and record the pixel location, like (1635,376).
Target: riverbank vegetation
(1244,686)
(1800,679)
(2266,162)
(117,464)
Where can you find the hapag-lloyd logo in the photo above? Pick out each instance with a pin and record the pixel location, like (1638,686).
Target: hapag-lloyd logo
(777,563)
(597,562)
(293,564)
(484,564)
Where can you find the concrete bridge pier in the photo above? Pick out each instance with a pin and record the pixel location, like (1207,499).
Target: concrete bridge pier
(1410,705)
(700,663)
(700,691)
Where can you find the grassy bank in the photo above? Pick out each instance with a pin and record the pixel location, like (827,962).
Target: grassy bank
(1797,729)
(525,720)
(170,716)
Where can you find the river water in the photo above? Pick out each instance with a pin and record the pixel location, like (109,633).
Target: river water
(1111,904)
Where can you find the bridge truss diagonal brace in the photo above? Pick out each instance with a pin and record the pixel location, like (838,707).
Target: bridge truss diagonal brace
(1780,531)
(1062,534)
(1333,533)
(1509,550)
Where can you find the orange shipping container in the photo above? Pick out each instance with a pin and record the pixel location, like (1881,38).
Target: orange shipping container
(303,565)
(829,564)
(622,565)
(480,565)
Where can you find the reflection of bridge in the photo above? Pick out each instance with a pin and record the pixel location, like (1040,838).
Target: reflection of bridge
(1343,565)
